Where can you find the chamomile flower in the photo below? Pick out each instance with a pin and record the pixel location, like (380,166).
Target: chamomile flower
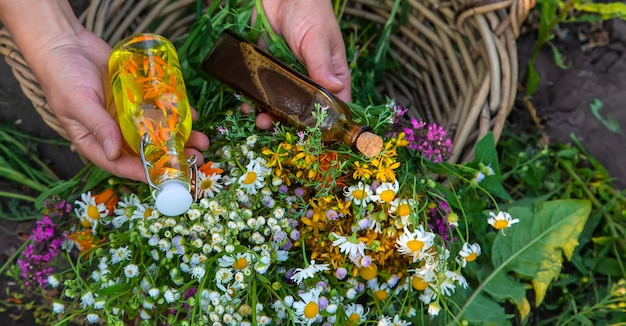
(501,221)
(209,185)
(402,208)
(386,192)
(434,308)
(468,253)
(119,254)
(307,309)
(253,179)
(58,308)
(415,243)
(89,212)
(92,318)
(359,194)
(131,270)
(352,246)
(356,313)
(87,300)
(380,291)
(145,211)
(301,274)
(240,261)
(224,275)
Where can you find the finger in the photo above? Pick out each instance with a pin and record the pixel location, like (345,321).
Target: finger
(265,121)
(327,65)
(247,108)
(198,141)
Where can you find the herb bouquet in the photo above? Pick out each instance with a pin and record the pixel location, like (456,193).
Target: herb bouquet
(290,230)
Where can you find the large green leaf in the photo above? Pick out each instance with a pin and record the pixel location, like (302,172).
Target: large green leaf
(532,249)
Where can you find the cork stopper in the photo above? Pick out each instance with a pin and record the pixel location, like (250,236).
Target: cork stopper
(369,144)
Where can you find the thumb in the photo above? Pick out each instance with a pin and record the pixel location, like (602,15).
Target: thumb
(102,130)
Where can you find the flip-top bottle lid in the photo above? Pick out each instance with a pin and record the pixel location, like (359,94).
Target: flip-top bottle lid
(173,199)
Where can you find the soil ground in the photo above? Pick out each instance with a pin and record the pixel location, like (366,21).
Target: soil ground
(562,102)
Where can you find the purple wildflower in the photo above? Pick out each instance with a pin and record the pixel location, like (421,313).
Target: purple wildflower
(431,140)
(341,273)
(438,222)
(332,214)
(46,244)
(322,302)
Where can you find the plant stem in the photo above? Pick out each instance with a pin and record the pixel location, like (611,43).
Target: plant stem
(16,196)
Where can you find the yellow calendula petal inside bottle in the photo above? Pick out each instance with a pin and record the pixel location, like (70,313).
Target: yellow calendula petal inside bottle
(154,115)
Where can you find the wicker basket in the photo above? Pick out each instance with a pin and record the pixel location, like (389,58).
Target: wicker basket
(460,57)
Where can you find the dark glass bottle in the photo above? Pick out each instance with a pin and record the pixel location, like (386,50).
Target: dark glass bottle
(285,92)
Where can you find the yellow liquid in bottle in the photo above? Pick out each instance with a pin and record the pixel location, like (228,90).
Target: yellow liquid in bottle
(151,98)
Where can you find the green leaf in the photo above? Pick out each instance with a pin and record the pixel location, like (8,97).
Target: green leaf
(610,122)
(504,287)
(113,289)
(558,57)
(485,311)
(533,79)
(486,153)
(605,10)
(534,248)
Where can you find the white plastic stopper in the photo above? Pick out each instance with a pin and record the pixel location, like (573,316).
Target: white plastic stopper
(174,198)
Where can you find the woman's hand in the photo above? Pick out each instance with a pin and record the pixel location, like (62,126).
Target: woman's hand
(70,64)
(312,32)
(73,76)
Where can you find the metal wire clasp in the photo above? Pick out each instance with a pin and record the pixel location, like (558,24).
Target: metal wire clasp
(191,161)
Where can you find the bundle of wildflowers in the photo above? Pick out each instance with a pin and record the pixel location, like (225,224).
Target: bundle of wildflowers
(285,230)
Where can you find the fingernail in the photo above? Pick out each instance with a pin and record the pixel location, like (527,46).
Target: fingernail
(334,80)
(109,149)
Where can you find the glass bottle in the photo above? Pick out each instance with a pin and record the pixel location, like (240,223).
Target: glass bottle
(291,96)
(154,115)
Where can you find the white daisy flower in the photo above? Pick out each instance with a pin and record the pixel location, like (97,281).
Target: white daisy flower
(251,140)
(198,272)
(301,274)
(380,291)
(402,208)
(87,300)
(209,185)
(415,243)
(386,192)
(89,212)
(154,293)
(433,309)
(119,254)
(131,270)
(58,308)
(352,247)
(356,313)
(53,281)
(307,309)
(240,261)
(99,304)
(359,194)
(468,253)
(171,295)
(145,211)
(224,275)
(92,318)
(124,210)
(501,221)
(253,179)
